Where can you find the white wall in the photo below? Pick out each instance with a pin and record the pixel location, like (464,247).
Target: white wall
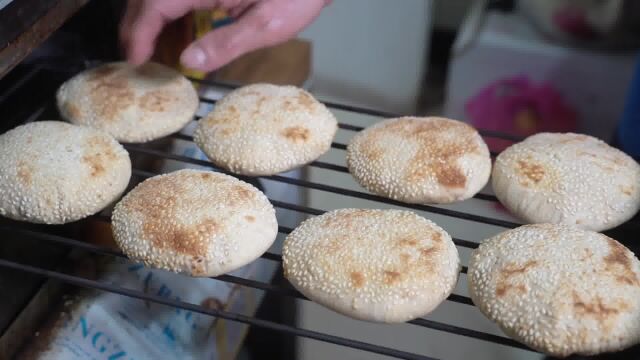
(371,52)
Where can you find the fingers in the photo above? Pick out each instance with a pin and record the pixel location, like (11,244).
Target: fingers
(144,20)
(144,30)
(136,36)
(131,12)
(221,45)
(237,11)
(263,24)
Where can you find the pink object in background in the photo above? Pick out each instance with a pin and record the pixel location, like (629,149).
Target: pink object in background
(573,21)
(517,106)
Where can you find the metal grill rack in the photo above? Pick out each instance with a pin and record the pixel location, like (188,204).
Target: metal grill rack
(140,174)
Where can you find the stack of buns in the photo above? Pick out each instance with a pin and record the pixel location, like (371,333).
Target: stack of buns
(556,285)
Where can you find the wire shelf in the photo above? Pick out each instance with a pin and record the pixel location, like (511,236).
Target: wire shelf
(287,291)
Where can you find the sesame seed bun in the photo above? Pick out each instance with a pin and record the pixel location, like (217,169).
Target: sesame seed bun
(134,105)
(53,172)
(196,222)
(265,129)
(376,265)
(420,160)
(559,289)
(569,179)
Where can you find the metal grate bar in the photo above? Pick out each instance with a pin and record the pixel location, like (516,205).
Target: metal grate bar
(227,278)
(336,190)
(15,86)
(75,280)
(309,211)
(334,145)
(286,290)
(61,240)
(339,168)
(470,333)
(283,291)
(358,109)
(338,146)
(298,208)
(78,281)
(350,127)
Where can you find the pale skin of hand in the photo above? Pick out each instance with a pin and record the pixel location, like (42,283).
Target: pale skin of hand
(258,23)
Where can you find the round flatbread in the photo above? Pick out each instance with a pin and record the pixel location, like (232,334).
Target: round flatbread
(559,289)
(134,104)
(569,179)
(420,160)
(265,129)
(53,172)
(376,265)
(196,222)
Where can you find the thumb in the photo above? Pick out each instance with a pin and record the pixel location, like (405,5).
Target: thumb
(259,26)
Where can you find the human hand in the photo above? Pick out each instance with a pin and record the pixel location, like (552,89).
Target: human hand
(258,23)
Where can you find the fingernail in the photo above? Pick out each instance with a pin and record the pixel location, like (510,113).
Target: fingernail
(193,57)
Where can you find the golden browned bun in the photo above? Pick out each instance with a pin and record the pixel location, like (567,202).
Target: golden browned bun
(376,265)
(196,222)
(568,179)
(133,104)
(264,129)
(559,289)
(53,172)
(420,160)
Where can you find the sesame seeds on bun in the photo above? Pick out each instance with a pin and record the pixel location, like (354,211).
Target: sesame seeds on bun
(196,222)
(377,265)
(559,289)
(568,178)
(53,172)
(420,160)
(264,129)
(133,104)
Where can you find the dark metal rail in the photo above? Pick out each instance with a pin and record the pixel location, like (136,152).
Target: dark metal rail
(263,286)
